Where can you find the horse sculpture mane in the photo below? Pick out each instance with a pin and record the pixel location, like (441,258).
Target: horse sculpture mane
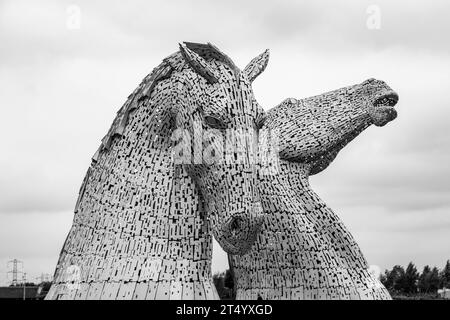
(163,71)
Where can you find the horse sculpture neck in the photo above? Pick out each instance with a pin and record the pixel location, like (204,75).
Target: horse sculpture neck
(139,230)
(303,251)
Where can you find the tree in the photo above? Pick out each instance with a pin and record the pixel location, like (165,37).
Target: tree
(383,278)
(228,281)
(219,283)
(410,279)
(27,284)
(434,280)
(45,285)
(424,279)
(219,280)
(445,276)
(394,278)
(229,284)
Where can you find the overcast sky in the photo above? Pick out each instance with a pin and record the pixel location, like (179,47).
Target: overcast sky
(62,81)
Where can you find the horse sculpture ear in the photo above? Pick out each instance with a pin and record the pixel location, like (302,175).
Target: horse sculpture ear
(256,66)
(199,64)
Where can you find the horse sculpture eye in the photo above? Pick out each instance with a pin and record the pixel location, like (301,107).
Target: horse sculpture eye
(213,122)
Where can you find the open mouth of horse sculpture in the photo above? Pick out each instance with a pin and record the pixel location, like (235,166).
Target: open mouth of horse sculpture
(383,109)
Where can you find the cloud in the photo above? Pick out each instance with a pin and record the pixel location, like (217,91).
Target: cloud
(34,32)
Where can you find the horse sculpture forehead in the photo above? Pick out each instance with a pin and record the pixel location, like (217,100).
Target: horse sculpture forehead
(230,98)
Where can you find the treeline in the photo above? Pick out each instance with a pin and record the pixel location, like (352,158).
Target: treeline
(409,281)
(224,285)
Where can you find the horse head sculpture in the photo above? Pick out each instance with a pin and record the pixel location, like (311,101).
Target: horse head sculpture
(304,251)
(153,194)
(324,124)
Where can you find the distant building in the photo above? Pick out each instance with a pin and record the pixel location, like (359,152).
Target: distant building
(16,293)
(444,293)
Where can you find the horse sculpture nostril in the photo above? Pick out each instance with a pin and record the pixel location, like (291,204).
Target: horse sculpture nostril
(235,224)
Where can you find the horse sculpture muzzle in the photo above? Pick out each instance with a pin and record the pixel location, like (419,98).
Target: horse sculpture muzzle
(382,111)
